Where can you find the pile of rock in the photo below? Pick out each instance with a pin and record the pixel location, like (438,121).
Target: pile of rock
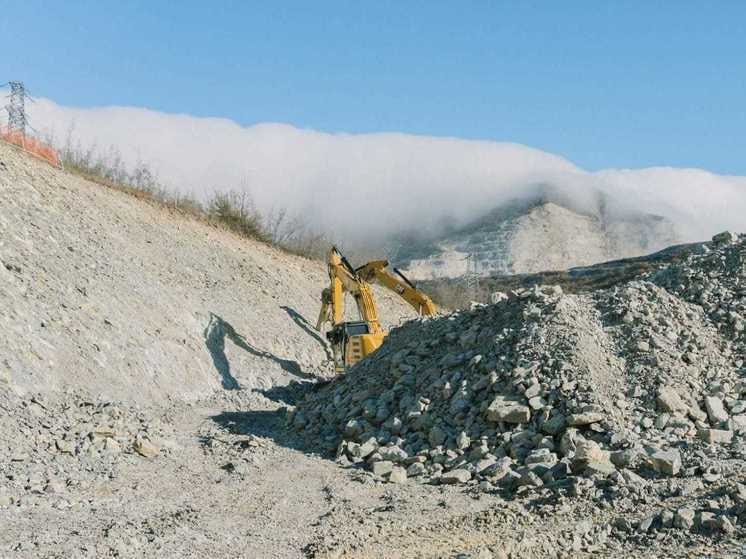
(547,389)
(714,281)
(52,444)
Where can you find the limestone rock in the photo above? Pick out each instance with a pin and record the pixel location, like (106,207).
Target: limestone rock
(666,462)
(455,477)
(715,436)
(715,410)
(684,518)
(398,475)
(508,411)
(670,400)
(578,419)
(146,448)
(382,467)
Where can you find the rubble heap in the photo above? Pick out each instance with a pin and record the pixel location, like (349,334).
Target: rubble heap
(637,382)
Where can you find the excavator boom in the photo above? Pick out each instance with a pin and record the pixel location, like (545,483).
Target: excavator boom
(353,340)
(376,272)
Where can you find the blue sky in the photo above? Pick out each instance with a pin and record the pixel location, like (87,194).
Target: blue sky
(605,84)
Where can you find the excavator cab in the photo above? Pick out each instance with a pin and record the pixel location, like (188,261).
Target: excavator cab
(350,340)
(355,340)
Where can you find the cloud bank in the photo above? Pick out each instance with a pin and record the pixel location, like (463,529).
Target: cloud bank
(365,186)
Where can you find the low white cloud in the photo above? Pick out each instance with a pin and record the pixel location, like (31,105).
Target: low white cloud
(367,185)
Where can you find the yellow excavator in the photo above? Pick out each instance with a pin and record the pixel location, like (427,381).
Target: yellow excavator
(353,340)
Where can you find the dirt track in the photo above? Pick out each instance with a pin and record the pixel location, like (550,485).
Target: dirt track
(237,484)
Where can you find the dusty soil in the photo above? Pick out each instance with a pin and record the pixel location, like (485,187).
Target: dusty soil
(230,481)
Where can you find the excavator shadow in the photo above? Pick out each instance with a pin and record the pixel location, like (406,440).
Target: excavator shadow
(287,394)
(215,335)
(306,326)
(260,423)
(266,424)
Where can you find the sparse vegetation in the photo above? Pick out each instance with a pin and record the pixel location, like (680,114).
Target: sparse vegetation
(236,211)
(294,234)
(231,209)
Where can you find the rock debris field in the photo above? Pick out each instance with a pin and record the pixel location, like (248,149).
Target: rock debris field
(162,394)
(630,394)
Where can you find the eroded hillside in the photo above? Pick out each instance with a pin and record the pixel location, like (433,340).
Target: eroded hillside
(104,292)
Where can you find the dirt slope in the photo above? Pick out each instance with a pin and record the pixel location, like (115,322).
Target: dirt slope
(103,292)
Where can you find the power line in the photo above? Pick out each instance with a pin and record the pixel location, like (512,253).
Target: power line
(471,277)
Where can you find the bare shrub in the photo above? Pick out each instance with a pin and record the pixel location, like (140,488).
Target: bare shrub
(294,234)
(236,211)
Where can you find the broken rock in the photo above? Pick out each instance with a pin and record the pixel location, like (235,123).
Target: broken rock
(508,411)
(667,462)
(146,448)
(684,518)
(715,409)
(578,419)
(670,400)
(398,475)
(455,477)
(382,467)
(715,436)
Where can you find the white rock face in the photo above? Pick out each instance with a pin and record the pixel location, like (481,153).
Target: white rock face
(539,237)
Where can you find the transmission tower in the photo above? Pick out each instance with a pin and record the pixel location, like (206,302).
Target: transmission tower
(17,119)
(471,278)
(392,249)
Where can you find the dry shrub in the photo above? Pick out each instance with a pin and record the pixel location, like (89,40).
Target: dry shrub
(233,210)
(236,211)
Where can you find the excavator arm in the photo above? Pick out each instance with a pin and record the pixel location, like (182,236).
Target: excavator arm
(344,279)
(376,272)
(351,341)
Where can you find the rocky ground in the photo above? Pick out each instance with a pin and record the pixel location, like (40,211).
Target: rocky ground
(612,398)
(572,280)
(162,395)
